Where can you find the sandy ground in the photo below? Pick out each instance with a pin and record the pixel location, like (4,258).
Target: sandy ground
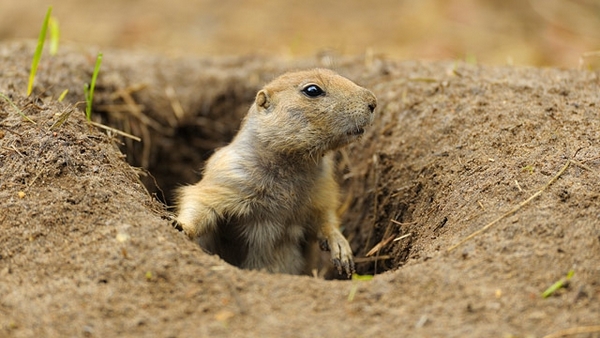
(86,250)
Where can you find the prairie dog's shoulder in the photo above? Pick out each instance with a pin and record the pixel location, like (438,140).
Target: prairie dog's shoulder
(229,163)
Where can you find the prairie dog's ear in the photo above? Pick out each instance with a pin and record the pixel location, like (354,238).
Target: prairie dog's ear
(263,101)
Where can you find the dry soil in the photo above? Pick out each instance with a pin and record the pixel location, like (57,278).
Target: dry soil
(86,249)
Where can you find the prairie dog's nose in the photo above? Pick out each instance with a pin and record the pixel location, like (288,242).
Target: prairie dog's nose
(371,101)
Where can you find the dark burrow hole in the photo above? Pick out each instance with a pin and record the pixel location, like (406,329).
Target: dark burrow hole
(176,158)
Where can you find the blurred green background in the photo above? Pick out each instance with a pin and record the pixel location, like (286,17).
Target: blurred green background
(519,32)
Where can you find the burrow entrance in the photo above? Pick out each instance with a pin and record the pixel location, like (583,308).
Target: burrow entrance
(184,127)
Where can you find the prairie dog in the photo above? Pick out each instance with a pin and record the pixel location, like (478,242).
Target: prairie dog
(269,197)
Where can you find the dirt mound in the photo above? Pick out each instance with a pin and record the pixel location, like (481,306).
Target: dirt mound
(86,250)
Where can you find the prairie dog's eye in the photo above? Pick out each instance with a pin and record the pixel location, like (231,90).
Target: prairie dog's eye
(312,90)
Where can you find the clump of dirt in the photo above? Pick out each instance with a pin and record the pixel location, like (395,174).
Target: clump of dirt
(87,250)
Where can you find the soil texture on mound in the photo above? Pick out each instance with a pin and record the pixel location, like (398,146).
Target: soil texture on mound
(87,248)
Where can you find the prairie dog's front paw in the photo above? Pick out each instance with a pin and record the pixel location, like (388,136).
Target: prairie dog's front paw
(197,224)
(189,228)
(341,254)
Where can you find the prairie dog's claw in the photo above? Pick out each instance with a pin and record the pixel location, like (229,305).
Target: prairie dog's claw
(324,245)
(341,255)
(175,224)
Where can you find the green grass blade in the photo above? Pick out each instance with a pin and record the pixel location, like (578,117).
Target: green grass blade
(38,51)
(355,279)
(54,35)
(361,277)
(62,95)
(16,108)
(89,90)
(559,284)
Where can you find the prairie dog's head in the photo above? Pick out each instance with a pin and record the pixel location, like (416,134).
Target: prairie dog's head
(311,112)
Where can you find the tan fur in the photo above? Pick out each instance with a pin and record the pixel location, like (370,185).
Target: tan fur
(266,199)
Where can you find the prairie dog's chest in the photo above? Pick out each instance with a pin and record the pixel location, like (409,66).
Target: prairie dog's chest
(281,211)
(286,189)
(277,197)
(269,233)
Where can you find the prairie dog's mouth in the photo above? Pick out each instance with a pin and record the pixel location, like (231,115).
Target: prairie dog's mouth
(356,132)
